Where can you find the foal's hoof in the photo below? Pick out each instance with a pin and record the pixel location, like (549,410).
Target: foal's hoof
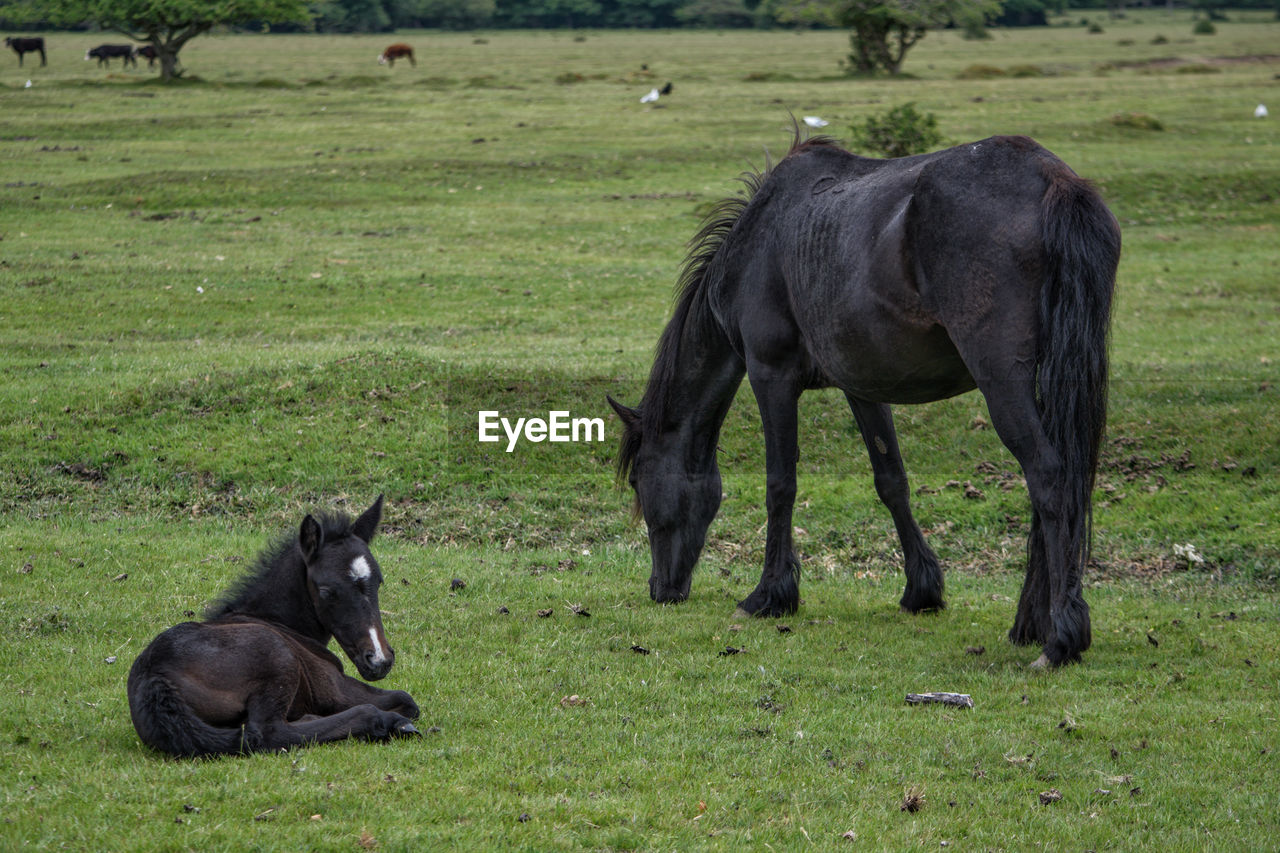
(740,614)
(1041,663)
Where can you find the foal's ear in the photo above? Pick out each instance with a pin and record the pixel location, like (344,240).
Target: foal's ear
(630,417)
(310,538)
(365,526)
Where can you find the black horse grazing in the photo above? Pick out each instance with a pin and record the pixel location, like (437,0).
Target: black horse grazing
(147,52)
(104,53)
(989,265)
(257,675)
(23,46)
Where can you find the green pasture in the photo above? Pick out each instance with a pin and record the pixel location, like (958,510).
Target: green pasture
(293,278)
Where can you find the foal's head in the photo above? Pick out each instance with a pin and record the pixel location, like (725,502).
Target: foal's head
(343,580)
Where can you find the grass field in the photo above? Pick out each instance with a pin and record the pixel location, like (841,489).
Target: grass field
(293,279)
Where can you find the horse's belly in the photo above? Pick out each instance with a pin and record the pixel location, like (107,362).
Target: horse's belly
(887,358)
(922,387)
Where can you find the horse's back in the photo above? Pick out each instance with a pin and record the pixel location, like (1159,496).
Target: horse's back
(883,264)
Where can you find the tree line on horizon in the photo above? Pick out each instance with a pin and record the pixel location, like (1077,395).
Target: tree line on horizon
(881,32)
(370,16)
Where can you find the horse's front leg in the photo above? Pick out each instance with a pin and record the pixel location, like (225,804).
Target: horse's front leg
(352,691)
(328,718)
(778,591)
(362,722)
(924,575)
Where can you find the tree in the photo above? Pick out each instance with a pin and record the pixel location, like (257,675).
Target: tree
(882,31)
(167,25)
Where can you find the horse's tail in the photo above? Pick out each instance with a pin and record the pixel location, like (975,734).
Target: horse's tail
(165,722)
(1082,248)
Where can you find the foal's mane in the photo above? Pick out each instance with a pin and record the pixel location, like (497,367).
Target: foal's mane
(274,564)
(702,267)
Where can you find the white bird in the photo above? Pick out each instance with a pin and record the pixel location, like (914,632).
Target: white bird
(650,98)
(28,86)
(1260,112)
(814,121)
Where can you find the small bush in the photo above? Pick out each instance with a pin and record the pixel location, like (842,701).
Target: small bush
(1159,39)
(1136,121)
(1096,29)
(1026,71)
(569,77)
(1204,27)
(1198,68)
(899,132)
(980,72)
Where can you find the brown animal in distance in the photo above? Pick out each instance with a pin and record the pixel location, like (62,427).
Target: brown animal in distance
(399,50)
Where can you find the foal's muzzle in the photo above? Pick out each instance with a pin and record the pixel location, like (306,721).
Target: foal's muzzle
(373,668)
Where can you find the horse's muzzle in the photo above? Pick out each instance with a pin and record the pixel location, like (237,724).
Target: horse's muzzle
(373,665)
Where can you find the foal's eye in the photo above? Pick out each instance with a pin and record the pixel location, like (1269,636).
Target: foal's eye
(325,592)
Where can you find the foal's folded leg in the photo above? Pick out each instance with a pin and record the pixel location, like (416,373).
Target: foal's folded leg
(363,722)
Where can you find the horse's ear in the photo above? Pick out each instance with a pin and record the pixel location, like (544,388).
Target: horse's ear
(630,417)
(310,538)
(365,526)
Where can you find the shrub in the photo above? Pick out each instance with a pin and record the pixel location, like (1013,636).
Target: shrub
(1096,29)
(1136,121)
(1204,27)
(1026,71)
(1159,39)
(1198,68)
(980,72)
(899,132)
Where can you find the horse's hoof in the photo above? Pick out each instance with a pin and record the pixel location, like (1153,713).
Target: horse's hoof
(1041,662)
(740,614)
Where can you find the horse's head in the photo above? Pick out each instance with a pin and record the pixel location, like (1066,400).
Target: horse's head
(343,579)
(677,492)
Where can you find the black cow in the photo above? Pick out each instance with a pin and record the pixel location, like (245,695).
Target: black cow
(105,52)
(149,53)
(26,45)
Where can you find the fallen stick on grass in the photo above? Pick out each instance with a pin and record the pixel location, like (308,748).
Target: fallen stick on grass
(959,700)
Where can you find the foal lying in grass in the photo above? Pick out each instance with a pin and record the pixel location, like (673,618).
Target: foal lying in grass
(258,674)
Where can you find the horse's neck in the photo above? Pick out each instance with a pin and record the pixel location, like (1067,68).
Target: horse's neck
(701,386)
(282,598)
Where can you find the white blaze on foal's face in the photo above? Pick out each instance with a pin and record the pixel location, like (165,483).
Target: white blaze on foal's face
(379,655)
(360,569)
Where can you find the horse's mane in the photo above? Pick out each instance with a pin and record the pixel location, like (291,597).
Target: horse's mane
(702,267)
(281,556)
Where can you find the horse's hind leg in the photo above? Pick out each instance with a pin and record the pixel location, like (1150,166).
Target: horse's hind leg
(924,575)
(1051,609)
